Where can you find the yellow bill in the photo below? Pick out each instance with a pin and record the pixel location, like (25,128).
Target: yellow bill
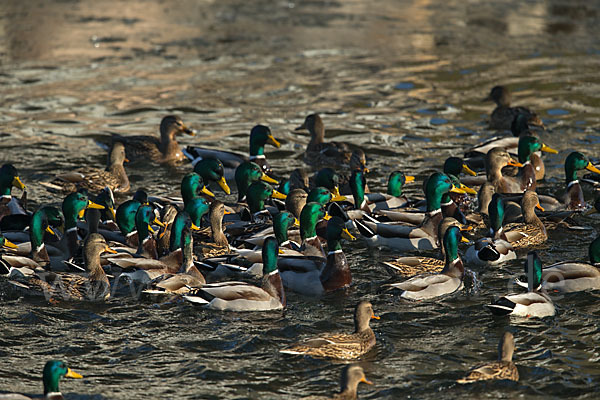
(17,183)
(327,217)
(591,168)
(271,140)
(223,184)
(296,222)
(457,190)
(468,189)
(194,227)
(338,198)
(548,149)
(207,192)
(464,239)
(268,179)
(188,131)
(157,222)
(9,244)
(91,204)
(278,195)
(467,170)
(409,178)
(112,213)
(347,235)
(514,163)
(50,231)
(72,374)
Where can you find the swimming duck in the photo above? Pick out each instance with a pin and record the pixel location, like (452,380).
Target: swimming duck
(495,249)
(258,192)
(449,280)
(216,243)
(9,178)
(211,170)
(316,279)
(295,201)
(311,214)
(496,159)
(125,217)
(504,368)
(94,179)
(534,303)
(163,150)
(352,375)
(241,296)
(318,151)
(53,372)
(260,135)
(405,237)
(66,286)
(574,162)
(414,265)
(282,222)
(530,232)
(533,167)
(342,346)
(503,115)
(246,174)
(393,198)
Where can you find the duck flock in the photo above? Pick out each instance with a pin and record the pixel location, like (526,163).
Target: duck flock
(480,210)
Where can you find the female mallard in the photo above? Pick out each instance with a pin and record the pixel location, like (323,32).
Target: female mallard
(94,179)
(240,296)
(53,372)
(414,265)
(530,232)
(504,368)
(246,174)
(495,249)
(260,136)
(215,243)
(312,278)
(320,152)
(163,150)
(449,280)
(211,170)
(534,303)
(574,162)
(65,286)
(9,178)
(503,115)
(352,375)
(496,159)
(295,201)
(342,346)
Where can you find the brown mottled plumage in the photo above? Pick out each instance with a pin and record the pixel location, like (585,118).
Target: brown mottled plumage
(504,368)
(352,375)
(530,232)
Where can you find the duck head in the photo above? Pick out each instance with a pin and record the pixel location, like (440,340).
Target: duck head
(182,220)
(314,124)
(352,375)
(577,161)
(327,178)
(363,314)
(437,185)
(530,144)
(258,192)
(43,220)
(455,165)
(281,223)
(144,217)
(259,136)
(172,125)
(336,231)
(74,206)
(522,123)
(396,182)
(211,170)
(322,196)
(310,215)
(106,199)
(246,174)
(499,95)
(53,372)
(9,178)
(191,185)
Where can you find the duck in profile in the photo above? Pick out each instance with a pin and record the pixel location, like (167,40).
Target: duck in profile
(53,372)
(9,178)
(246,174)
(320,152)
(95,179)
(163,150)
(503,115)
(352,375)
(535,303)
(504,368)
(574,162)
(211,170)
(342,346)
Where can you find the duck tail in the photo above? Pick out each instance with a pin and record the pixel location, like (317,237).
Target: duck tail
(364,229)
(501,307)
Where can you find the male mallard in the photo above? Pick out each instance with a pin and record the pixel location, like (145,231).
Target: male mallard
(258,192)
(65,286)
(534,303)
(504,368)
(163,150)
(449,280)
(211,170)
(352,375)
(393,198)
(9,178)
(125,217)
(51,376)
(240,296)
(281,224)
(414,265)
(533,167)
(342,346)
(310,215)
(453,167)
(94,179)
(314,279)
(503,115)
(329,179)
(320,152)
(246,174)
(530,232)
(322,196)
(574,197)
(260,135)
(495,249)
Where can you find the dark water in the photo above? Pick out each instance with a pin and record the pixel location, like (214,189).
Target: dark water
(404,79)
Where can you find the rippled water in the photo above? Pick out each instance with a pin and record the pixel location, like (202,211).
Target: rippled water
(404,79)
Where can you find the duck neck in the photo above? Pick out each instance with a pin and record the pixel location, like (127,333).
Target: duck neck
(256,148)
(358,192)
(216,227)
(317,135)
(334,244)
(175,235)
(5,188)
(37,227)
(94,266)
(453,265)
(187,244)
(255,204)
(118,170)
(570,174)
(167,141)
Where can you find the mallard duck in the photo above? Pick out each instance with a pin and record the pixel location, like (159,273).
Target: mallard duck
(311,214)
(574,162)
(406,237)
(65,286)
(495,249)
(329,179)
(318,151)
(503,115)
(53,372)
(295,201)
(530,232)
(341,346)
(282,222)
(163,150)
(504,368)
(414,265)
(125,217)
(314,278)
(323,196)
(258,192)
(449,280)
(453,167)
(240,296)
(211,170)
(9,178)
(352,375)
(393,198)
(246,174)
(534,303)
(496,159)
(94,179)
(260,135)
(216,244)
(528,174)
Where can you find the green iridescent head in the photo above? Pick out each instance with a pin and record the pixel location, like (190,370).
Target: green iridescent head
(496,212)
(191,185)
(44,218)
(455,165)
(246,174)
(533,270)
(319,195)
(53,372)
(140,196)
(309,216)
(74,206)
(577,161)
(144,217)
(181,221)
(258,192)
(396,182)
(530,144)
(106,199)
(336,231)
(211,170)
(259,136)
(197,208)
(281,223)
(270,251)
(328,179)
(450,242)
(9,177)
(437,185)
